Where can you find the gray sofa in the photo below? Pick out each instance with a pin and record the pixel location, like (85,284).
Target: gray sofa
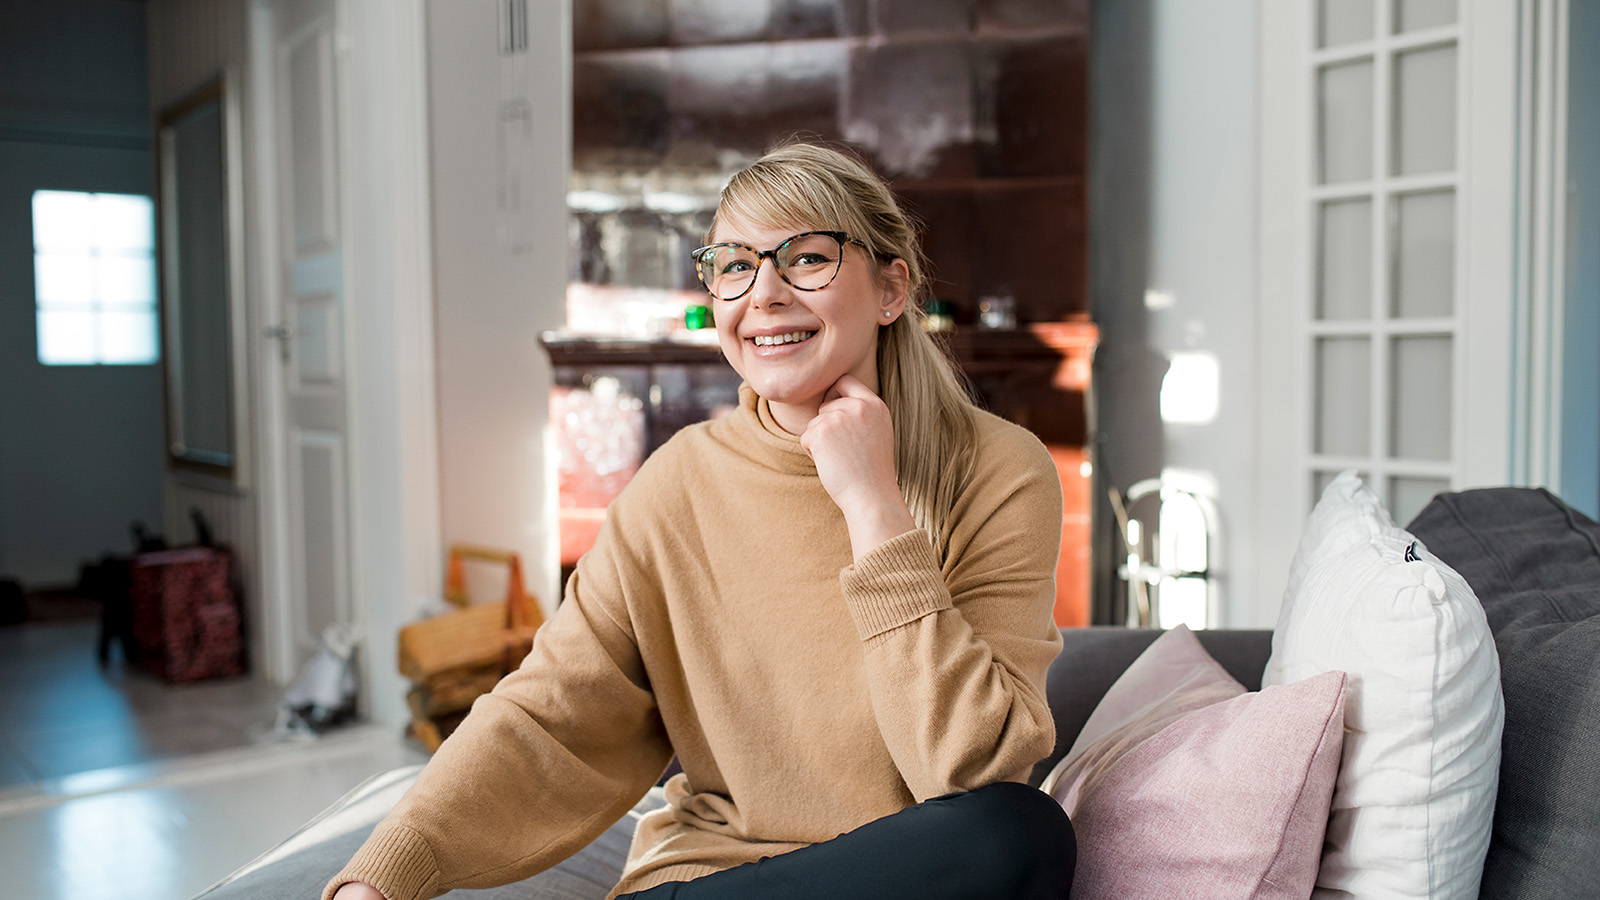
(1534,564)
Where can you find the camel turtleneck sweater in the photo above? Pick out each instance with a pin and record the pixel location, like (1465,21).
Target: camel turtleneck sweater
(719,617)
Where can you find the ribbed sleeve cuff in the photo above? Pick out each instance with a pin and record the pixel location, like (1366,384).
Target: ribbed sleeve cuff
(895,583)
(396,861)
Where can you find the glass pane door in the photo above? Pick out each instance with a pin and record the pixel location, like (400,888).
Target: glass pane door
(1381,322)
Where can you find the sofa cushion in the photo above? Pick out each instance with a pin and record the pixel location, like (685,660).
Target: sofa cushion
(1535,564)
(1412,810)
(1093,658)
(1182,784)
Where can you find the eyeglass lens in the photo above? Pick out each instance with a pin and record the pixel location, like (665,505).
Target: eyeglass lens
(807,261)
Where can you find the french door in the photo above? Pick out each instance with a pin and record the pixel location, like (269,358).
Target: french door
(1387,247)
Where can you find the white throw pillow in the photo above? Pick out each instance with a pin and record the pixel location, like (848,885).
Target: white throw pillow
(1414,801)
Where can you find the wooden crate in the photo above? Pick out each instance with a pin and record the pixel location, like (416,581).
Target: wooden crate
(453,658)
(461,639)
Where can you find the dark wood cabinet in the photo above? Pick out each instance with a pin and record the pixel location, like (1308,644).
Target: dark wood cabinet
(616,400)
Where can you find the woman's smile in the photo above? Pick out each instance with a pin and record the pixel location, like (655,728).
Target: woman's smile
(779,340)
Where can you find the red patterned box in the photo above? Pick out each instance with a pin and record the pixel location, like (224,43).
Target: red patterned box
(186,621)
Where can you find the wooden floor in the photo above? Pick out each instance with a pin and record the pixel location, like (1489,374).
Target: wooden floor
(115,785)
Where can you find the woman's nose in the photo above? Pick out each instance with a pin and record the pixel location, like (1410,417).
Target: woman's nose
(769,288)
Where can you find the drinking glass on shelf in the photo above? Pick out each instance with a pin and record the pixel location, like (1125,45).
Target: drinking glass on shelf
(997,312)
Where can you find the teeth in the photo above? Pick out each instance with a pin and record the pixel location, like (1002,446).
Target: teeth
(773,340)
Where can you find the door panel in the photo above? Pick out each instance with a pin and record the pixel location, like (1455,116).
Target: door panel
(312,309)
(319,500)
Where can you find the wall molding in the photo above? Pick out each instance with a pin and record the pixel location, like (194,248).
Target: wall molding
(1539,279)
(81,129)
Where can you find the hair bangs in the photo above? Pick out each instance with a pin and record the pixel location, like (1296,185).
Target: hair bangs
(776,196)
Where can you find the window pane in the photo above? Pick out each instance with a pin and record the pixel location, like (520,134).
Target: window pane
(63,279)
(128,337)
(124,280)
(1344,277)
(124,222)
(1420,403)
(60,222)
(1321,479)
(1407,496)
(1425,111)
(1425,255)
(1413,15)
(314,351)
(66,338)
(95,278)
(1343,22)
(1344,99)
(1344,383)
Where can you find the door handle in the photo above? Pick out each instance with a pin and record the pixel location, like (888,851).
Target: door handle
(282,334)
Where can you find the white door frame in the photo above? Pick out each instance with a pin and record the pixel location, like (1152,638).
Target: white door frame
(397,551)
(1539,293)
(386,222)
(271,485)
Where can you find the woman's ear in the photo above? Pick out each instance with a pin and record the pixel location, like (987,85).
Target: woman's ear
(896,284)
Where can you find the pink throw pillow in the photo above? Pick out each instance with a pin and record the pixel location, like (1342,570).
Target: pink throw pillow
(1187,786)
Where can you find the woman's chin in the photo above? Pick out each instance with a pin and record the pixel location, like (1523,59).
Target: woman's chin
(797,399)
(787,394)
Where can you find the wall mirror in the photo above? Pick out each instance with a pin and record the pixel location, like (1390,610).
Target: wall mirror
(197,297)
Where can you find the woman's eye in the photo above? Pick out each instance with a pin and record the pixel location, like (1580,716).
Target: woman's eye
(737,265)
(809,259)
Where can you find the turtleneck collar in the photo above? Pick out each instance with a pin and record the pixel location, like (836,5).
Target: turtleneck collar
(763,438)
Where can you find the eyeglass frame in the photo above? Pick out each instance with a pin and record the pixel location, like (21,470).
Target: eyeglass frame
(843,237)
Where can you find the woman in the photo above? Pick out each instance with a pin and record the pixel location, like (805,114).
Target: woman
(834,607)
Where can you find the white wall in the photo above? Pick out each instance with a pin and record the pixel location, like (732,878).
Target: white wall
(1173,212)
(492,299)
(80,446)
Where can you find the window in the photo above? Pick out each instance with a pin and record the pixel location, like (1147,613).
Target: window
(95,278)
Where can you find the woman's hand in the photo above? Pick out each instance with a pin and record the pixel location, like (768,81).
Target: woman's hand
(851,440)
(357,890)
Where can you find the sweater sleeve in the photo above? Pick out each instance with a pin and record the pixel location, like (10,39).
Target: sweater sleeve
(956,658)
(541,766)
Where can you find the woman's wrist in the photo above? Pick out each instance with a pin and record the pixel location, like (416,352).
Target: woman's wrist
(875,520)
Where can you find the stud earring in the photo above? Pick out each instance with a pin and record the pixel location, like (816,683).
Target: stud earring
(887,314)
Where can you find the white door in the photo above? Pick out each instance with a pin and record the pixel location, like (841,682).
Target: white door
(1388,131)
(311,377)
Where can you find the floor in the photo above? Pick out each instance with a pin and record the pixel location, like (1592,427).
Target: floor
(113,784)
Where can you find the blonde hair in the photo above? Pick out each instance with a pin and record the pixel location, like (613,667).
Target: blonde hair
(935,432)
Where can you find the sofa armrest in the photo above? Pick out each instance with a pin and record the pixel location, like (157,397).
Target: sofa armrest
(301,865)
(1093,658)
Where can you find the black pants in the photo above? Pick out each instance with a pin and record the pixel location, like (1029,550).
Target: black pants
(1002,842)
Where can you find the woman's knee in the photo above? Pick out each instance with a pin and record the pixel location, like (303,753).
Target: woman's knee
(1019,835)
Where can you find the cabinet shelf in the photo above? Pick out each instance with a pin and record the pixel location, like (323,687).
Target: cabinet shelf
(1037,376)
(913,37)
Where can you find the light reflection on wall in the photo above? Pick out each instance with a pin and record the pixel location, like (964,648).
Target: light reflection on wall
(1190,389)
